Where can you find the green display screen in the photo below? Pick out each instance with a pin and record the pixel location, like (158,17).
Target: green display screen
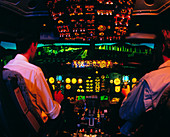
(104,97)
(81,97)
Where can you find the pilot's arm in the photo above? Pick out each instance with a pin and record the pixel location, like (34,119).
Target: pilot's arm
(44,97)
(133,106)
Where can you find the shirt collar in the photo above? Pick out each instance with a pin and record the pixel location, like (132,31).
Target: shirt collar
(21,57)
(165,64)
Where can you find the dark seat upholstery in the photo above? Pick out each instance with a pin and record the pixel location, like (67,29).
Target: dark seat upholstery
(156,123)
(18,117)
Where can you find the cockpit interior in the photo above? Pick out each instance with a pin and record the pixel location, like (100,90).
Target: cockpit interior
(90,50)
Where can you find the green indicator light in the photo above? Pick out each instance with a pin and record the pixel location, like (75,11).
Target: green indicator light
(39,53)
(110,47)
(107,76)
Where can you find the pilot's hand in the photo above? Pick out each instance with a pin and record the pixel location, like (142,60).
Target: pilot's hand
(125,91)
(44,117)
(58,96)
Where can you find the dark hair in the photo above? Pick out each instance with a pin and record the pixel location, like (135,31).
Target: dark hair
(24,40)
(166,51)
(160,40)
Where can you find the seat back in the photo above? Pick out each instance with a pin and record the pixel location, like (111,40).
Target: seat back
(155,123)
(17,114)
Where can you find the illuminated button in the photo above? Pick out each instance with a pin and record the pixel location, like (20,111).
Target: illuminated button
(82,90)
(72,99)
(80,81)
(137,25)
(94,63)
(103,76)
(60,21)
(83,130)
(134,80)
(101,28)
(101,33)
(125,83)
(115,63)
(97,72)
(97,83)
(68,63)
(80,86)
(58,78)
(105,111)
(103,64)
(91,130)
(107,76)
(117,88)
(91,80)
(115,100)
(74,80)
(58,82)
(78,90)
(68,86)
(53,87)
(117,81)
(126,78)
(87,80)
(111,81)
(51,80)
(102,133)
(99,130)
(68,80)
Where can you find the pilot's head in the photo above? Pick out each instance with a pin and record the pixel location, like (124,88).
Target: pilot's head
(166,43)
(27,42)
(162,49)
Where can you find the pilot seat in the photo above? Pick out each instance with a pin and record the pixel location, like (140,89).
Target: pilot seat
(18,117)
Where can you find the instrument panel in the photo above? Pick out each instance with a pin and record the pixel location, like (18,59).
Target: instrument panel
(92,98)
(96,82)
(92,78)
(86,20)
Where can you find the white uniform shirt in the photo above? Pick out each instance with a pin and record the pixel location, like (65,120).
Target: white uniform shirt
(37,85)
